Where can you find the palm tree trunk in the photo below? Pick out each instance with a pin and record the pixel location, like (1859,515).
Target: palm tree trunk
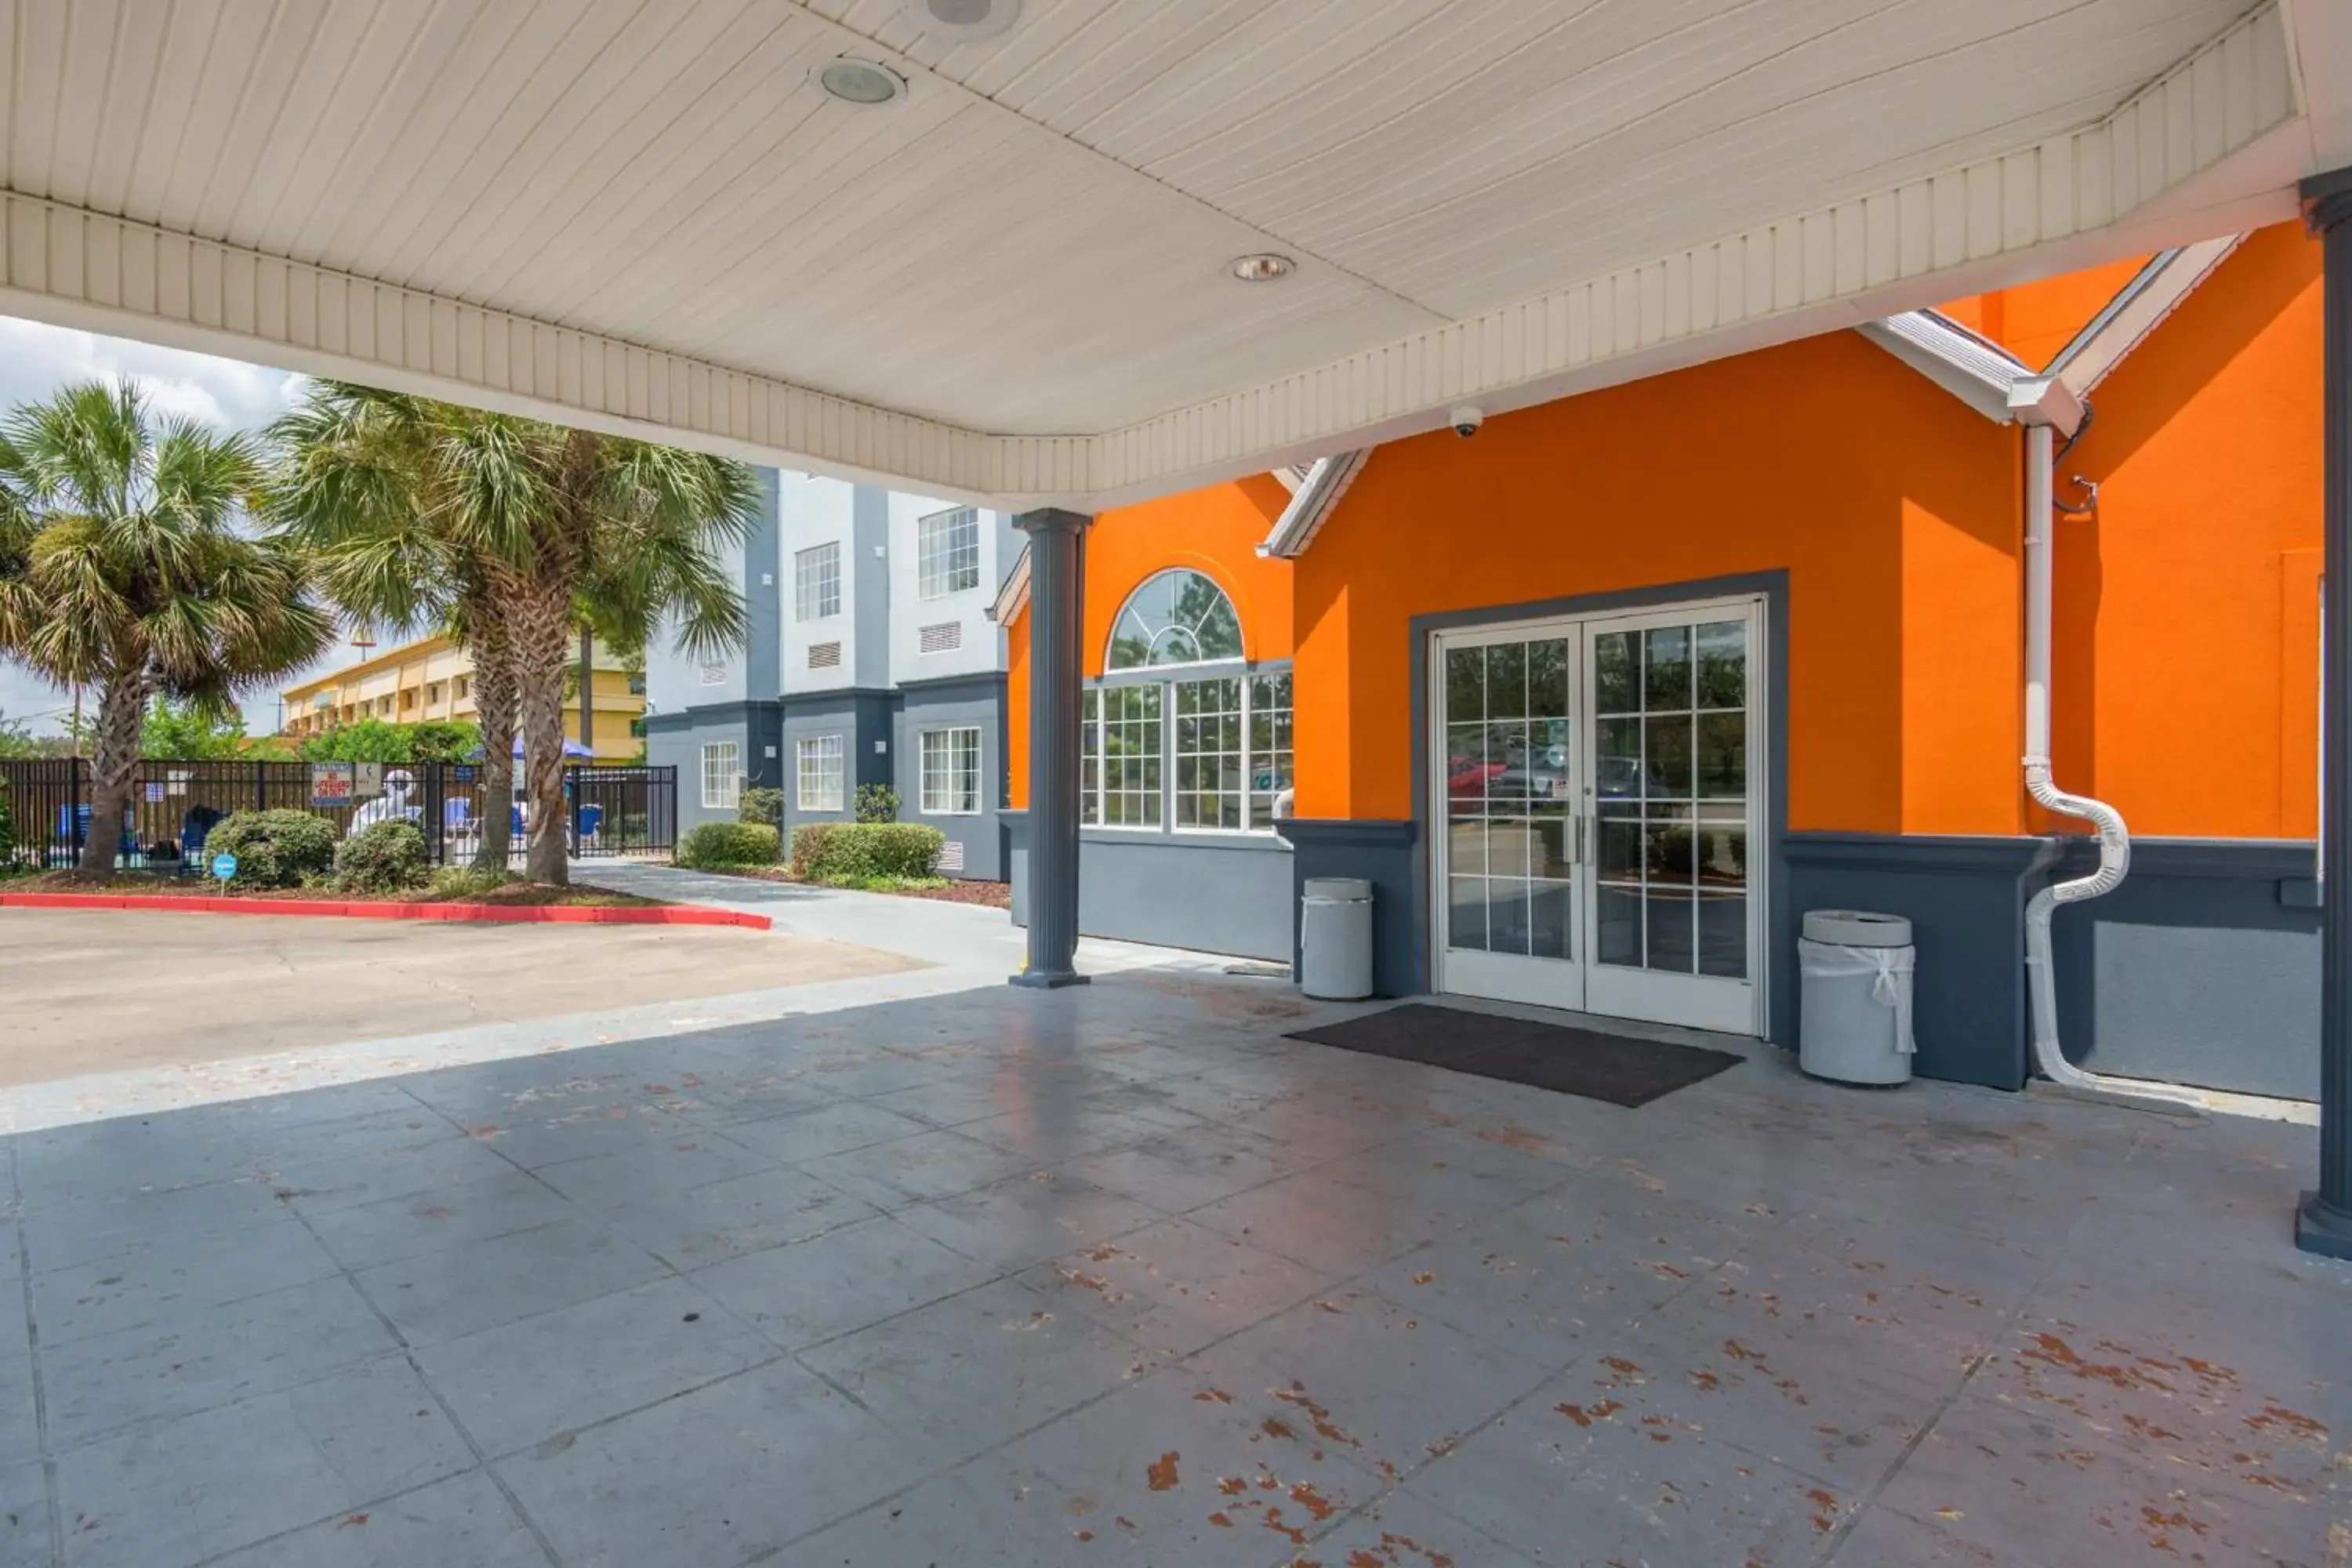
(538,623)
(114,758)
(494,715)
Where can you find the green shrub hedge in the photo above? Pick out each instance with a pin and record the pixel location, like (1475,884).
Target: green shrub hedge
(718,845)
(385,857)
(854,851)
(7,829)
(273,848)
(763,805)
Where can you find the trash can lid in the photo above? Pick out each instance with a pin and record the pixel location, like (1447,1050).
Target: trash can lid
(1856,928)
(1338,889)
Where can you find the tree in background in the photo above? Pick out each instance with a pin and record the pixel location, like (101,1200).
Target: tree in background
(183,731)
(123,567)
(381,740)
(512,533)
(362,478)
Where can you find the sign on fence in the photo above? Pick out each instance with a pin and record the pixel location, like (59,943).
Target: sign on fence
(331,786)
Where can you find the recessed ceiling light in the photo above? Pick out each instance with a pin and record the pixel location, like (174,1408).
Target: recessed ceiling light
(860,81)
(1263,267)
(965,21)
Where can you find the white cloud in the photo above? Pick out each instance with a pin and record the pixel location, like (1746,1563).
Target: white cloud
(35,360)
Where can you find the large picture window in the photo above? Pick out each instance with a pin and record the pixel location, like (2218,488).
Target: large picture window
(722,777)
(816,772)
(947,553)
(1210,752)
(950,771)
(816,582)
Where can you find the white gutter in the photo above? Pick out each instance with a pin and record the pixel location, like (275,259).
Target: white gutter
(1015,591)
(2052,404)
(1311,503)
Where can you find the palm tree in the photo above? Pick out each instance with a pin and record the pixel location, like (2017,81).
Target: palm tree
(359,481)
(123,567)
(536,529)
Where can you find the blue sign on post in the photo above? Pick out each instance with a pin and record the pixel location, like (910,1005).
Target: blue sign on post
(223,867)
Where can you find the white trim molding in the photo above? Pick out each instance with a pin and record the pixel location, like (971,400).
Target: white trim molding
(2214,146)
(1327,480)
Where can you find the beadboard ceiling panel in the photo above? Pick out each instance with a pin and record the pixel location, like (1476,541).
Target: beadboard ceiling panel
(1032,247)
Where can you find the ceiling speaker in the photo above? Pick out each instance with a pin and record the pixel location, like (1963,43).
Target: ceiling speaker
(965,21)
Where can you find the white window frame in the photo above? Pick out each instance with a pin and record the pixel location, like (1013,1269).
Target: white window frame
(822,750)
(953,751)
(816,582)
(1094,755)
(722,784)
(947,553)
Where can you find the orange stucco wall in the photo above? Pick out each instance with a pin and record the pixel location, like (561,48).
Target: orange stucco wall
(1214,531)
(2187,614)
(2034,320)
(2188,634)
(1893,509)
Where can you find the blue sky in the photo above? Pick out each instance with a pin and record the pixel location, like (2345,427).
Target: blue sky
(35,360)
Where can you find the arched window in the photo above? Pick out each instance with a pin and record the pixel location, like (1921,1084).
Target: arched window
(1175,617)
(1224,762)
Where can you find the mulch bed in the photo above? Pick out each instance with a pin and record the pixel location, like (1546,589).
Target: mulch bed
(992,895)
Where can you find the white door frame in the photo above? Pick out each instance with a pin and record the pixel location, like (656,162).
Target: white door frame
(1570,982)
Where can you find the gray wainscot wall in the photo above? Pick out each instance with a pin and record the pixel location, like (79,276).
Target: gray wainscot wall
(2202,968)
(1211,892)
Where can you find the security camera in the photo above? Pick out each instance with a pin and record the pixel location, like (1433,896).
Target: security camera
(1466,419)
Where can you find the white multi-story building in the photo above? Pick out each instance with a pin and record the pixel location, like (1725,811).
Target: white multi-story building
(871,660)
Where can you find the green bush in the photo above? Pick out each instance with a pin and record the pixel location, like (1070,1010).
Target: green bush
(763,805)
(724,845)
(273,848)
(7,829)
(876,803)
(385,857)
(860,851)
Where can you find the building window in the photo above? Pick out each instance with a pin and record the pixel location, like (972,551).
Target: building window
(1176,618)
(1269,748)
(463,685)
(816,582)
(1120,769)
(947,551)
(1217,746)
(950,772)
(816,771)
(722,776)
(1208,752)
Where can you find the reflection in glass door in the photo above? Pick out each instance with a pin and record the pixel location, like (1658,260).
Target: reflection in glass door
(1598,813)
(1670,807)
(1509,795)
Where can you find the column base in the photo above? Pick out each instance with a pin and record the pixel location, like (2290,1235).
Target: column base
(2321,1227)
(1049,979)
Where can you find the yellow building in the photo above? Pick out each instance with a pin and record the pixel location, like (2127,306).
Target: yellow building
(433,679)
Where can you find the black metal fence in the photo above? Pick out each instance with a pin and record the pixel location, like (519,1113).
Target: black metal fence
(613,811)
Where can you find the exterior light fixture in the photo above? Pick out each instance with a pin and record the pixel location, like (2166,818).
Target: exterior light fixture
(963,21)
(1263,268)
(861,82)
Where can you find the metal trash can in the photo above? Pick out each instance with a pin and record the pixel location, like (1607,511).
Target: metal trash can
(1854,997)
(1335,939)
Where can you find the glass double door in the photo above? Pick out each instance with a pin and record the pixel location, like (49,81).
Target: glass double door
(1595,778)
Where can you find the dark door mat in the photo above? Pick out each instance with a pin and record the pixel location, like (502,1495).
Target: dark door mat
(1615,1069)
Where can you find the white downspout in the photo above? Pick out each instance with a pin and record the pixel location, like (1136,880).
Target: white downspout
(2115,838)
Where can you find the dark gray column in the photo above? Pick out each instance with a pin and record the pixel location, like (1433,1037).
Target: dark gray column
(1056,615)
(2324,1225)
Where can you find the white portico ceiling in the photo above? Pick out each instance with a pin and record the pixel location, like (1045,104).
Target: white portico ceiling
(1012,283)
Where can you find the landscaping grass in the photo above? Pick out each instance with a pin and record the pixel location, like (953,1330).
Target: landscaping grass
(513,892)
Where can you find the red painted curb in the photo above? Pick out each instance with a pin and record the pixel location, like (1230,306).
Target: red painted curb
(552,914)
